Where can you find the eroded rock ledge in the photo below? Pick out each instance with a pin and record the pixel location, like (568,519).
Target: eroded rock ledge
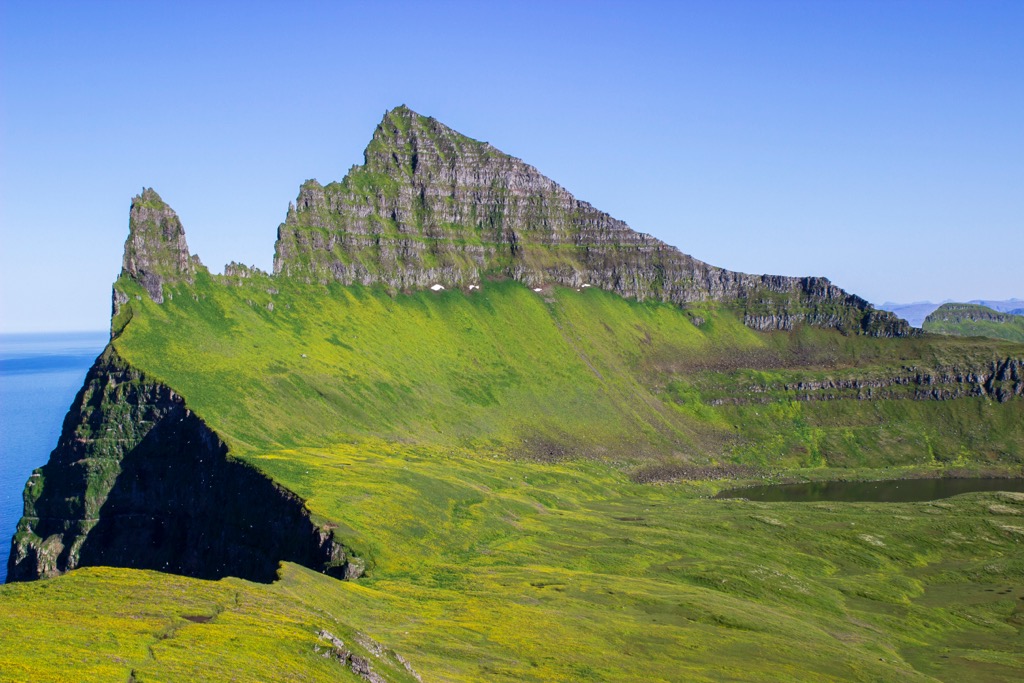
(999,380)
(138,480)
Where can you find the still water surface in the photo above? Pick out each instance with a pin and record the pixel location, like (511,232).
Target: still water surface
(39,377)
(892,491)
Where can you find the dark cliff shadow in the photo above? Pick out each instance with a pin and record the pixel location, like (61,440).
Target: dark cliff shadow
(181,505)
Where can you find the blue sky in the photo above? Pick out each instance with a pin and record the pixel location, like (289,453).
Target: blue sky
(879,144)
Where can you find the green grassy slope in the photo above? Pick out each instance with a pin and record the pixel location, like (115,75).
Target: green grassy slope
(499,570)
(548,375)
(103,624)
(972,320)
(480,451)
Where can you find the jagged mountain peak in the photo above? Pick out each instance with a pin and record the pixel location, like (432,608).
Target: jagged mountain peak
(432,206)
(148,196)
(405,143)
(402,122)
(156,252)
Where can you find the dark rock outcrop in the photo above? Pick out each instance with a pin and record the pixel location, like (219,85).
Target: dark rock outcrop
(155,252)
(430,206)
(335,648)
(241,271)
(999,380)
(137,480)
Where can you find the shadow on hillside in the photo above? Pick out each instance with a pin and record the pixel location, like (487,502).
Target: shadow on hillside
(181,505)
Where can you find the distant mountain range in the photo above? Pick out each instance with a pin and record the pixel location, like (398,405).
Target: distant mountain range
(915,313)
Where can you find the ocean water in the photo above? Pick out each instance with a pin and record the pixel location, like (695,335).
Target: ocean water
(39,377)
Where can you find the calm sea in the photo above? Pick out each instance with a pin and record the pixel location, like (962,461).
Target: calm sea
(39,377)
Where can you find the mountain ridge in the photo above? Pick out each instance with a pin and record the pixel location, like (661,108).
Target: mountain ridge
(513,482)
(431,206)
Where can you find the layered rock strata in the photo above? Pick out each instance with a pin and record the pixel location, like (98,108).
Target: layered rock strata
(1000,381)
(430,206)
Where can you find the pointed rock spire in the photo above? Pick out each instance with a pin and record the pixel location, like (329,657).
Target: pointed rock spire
(155,252)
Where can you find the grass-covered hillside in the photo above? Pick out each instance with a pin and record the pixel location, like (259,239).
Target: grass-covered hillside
(512,476)
(974,320)
(490,569)
(480,451)
(271,363)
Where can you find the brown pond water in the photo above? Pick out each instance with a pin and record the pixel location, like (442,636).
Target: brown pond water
(891,491)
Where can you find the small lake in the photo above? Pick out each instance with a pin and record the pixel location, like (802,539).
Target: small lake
(891,491)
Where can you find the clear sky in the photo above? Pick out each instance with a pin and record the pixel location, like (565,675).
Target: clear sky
(880,144)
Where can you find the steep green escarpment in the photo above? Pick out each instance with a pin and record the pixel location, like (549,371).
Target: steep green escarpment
(138,480)
(973,320)
(740,376)
(275,362)
(430,206)
(490,449)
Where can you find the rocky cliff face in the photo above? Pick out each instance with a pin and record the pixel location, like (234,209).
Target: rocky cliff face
(999,380)
(430,206)
(155,252)
(137,480)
